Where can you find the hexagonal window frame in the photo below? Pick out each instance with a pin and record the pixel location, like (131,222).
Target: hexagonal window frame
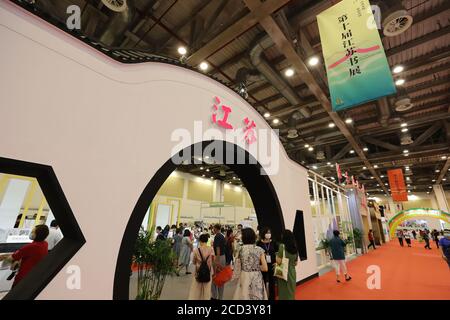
(73,239)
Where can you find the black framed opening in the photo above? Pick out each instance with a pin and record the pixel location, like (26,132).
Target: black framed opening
(38,278)
(258,185)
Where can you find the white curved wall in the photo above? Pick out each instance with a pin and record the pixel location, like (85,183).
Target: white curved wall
(105,129)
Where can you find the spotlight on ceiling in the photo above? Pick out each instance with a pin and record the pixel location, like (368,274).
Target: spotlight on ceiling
(352,151)
(289,72)
(276,121)
(398,69)
(404,124)
(405,130)
(331,125)
(365,149)
(266,114)
(364,168)
(204,66)
(313,61)
(405,151)
(182,50)
(310,148)
(348,120)
(375,166)
(314,167)
(306,145)
(400,82)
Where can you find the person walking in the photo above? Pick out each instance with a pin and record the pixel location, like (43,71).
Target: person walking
(407,237)
(177,239)
(54,235)
(444,243)
(229,248)
(337,246)
(219,245)
(400,237)
(270,250)
(435,235)
(371,240)
(203,260)
(414,233)
(253,261)
(185,252)
(288,248)
(426,238)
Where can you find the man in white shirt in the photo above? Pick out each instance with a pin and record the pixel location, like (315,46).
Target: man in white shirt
(54,235)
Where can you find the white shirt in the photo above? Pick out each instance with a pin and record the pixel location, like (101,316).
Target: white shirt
(54,236)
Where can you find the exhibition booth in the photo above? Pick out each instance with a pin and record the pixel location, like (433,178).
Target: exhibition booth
(125,129)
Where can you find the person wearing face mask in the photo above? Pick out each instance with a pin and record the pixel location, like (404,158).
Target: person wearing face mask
(31,254)
(270,248)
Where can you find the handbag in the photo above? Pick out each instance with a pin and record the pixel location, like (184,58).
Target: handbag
(223,276)
(281,270)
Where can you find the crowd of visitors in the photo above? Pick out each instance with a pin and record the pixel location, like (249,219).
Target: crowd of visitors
(252,257)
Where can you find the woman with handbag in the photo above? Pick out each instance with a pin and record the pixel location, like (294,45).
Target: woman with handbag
(270,248)
(252,261)
(287,278)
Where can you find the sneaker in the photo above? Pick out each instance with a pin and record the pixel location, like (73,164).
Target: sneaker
(348,279)
(339,281)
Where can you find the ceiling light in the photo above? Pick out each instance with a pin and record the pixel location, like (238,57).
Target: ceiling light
(444,157)
(182,50)
(400,82)
(348,120)
(437,170)
(371,177)
(328,163)
(331,125)
(409,191)
(267,114)
(352,151)
(203,175)
(381,176)
(409,185)
(204,66)
(310,148)
(289,72)
(306,145)
(398,69)
(428,192)
(430,187)
(378,184)
(315,167)
(408,178)
(276,121)
(407,169)
(364,168)
(444,179)
(404,124)
(365,149)
(406,154)
(212,177)
(405,130)
(385,184)
(405,151)
(433,180)
(201,168)
(313,61)
(207,170)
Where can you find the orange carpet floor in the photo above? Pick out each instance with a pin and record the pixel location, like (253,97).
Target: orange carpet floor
(406,274)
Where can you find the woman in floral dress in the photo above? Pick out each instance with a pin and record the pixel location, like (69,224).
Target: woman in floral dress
(252,260)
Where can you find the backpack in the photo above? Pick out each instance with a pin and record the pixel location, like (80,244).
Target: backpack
(203,273)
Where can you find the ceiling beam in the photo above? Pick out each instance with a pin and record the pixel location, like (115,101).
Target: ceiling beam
(235,30)
(342,152)
(443,171)
(418,41)
(379,143)
(426,134)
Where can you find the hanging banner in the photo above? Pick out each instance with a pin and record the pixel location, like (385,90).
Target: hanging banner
(397,185)
(357,67)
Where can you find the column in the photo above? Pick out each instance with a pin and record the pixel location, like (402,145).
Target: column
(440,197)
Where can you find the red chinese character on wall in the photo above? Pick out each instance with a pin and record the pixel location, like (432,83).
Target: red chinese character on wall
(250,135)
(226,111)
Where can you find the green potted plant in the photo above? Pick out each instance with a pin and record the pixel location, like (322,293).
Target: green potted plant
(155,260)
(357,236)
